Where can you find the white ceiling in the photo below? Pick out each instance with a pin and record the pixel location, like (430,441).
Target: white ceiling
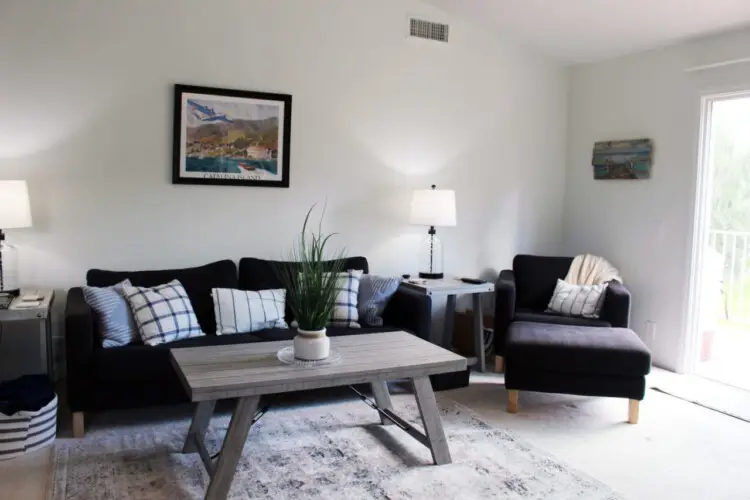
(581,31)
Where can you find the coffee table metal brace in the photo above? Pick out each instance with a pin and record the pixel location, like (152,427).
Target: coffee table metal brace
(433,437)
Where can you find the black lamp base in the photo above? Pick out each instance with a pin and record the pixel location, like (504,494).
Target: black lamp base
(431,276)
(10,293)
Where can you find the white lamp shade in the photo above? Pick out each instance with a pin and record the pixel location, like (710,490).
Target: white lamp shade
(433,207)
(14,205)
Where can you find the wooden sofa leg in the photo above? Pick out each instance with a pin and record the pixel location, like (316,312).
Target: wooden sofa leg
(78,424)
(513,401)
(633,411)
(499,364)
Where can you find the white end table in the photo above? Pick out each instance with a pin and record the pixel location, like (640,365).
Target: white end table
(41,315)
(451,287)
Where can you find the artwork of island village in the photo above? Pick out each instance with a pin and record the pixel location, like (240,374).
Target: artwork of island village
(236,138)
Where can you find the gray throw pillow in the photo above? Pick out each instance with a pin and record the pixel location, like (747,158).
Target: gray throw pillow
(374,293)
(112,313)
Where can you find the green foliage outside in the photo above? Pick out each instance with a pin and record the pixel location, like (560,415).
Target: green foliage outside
(730,209)
(730,201)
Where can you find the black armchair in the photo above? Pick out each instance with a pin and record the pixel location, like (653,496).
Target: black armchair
(523,294)
(545,352)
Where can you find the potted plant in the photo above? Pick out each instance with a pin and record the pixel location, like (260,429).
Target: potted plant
(310,279)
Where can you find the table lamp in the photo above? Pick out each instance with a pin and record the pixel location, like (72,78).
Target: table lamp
(14,213)
(432,207)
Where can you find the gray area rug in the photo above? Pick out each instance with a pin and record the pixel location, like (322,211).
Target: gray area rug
(328,451)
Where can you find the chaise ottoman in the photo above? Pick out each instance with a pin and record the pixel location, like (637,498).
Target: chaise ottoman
(571,359)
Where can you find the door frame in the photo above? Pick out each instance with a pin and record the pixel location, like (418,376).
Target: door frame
(700,229)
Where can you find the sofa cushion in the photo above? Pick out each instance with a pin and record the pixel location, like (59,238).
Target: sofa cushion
(198,282)
(259,274)
(576,349)
(153,363)
(557,319)
(536,277)
(143,363)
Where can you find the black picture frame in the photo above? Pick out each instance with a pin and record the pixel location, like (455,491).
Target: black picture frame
(213,155)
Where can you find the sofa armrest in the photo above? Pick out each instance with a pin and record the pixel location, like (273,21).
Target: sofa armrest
(411,311)
(616,307)
(505,308)
(80,338)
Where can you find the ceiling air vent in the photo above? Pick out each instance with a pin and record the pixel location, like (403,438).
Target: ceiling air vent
(428,30)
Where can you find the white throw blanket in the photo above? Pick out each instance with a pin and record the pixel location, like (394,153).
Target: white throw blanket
(591,270)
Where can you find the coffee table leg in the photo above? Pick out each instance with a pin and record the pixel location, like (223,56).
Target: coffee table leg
(433,428)
(201,419)
(231,450)
(382,398)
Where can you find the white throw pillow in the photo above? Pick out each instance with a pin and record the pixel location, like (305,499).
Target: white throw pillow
(163,313)
(577,300)
(241,311)
(345,310)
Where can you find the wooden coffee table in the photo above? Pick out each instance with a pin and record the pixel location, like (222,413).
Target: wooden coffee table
(248,371)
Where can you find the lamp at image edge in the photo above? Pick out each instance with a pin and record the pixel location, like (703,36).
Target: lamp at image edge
(433,208)
(14,213)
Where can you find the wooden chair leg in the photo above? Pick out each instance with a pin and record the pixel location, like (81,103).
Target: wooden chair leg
(499,364)
(513,401)
(633,411)
(78,424)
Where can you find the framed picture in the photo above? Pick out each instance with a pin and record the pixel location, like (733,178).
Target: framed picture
(629,159)
(231,137)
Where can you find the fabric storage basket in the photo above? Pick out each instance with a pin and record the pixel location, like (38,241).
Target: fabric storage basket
(28,415)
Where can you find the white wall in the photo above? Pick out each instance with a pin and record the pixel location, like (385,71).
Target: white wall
(644,227)
(86,90)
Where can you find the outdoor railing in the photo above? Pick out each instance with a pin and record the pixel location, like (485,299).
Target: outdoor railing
(727,267)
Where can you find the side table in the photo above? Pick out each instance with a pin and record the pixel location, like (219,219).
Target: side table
(39,314)
(451,287)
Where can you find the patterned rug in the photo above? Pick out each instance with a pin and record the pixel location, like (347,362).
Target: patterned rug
(328,451)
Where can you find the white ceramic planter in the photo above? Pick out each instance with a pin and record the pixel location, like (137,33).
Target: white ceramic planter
(311,345)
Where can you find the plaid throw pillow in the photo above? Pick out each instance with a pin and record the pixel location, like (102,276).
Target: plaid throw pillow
(345,311)
(240,311)
(163,313)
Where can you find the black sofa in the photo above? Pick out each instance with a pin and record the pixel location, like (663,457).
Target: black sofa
(545,352)
(138,375)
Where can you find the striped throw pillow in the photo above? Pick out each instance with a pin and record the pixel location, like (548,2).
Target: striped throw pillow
(240,311)
(163,313)
(577,300)
(114,320)
(345,312)
(374,293)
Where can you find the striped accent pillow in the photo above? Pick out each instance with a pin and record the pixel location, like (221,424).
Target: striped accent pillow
(114,320)
(345,312)
(240,311)
(374,293)
(577,300)
(163,313)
